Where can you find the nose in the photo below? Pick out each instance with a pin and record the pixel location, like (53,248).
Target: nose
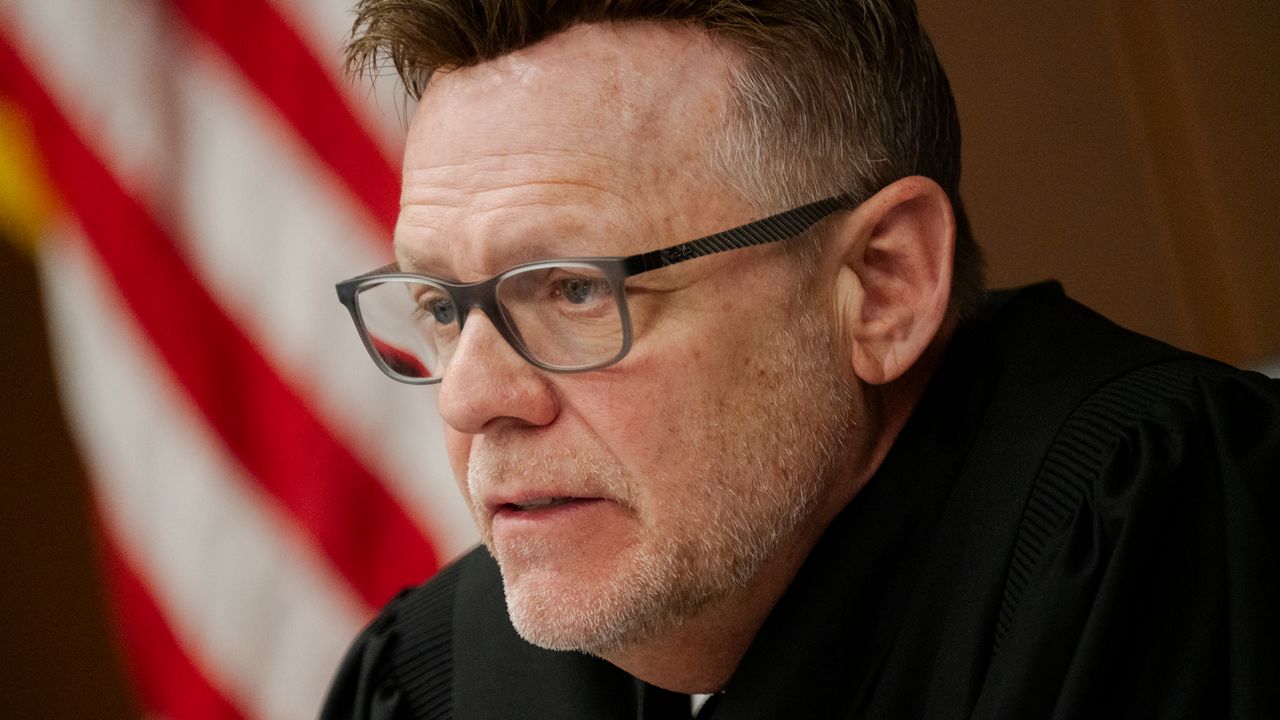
(487,382)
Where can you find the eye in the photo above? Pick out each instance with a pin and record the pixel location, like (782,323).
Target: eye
(579,290)
(434,303)
(443,310)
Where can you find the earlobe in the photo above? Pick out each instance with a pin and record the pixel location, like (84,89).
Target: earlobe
(898,248)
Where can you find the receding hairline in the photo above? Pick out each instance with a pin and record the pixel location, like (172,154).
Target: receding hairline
(673,67)
(449,38)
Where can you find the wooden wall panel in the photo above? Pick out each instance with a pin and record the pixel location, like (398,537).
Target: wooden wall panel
(1130,150)
(1207,77)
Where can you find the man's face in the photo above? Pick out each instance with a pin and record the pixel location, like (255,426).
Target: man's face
(623,500)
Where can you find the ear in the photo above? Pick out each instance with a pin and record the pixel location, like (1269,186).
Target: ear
(895,281)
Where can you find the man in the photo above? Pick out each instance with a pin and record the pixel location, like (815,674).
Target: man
(737,428)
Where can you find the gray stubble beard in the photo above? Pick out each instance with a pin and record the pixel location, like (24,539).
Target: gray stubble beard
(784,455)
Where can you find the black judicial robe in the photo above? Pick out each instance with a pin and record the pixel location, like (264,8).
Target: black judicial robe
(1077,522)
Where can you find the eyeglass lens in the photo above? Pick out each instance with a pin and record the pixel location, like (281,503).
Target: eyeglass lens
(565,316)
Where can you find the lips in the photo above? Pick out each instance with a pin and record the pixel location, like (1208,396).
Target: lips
(532,522)
(531,505)
(538,504)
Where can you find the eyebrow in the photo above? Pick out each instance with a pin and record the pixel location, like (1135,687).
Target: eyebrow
(516,253)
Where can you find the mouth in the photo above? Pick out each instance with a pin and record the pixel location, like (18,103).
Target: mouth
(570,522)
(540,504)
(537,504)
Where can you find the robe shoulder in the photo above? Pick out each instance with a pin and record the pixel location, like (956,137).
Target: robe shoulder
(447,649)
(1145,573)
(372,683)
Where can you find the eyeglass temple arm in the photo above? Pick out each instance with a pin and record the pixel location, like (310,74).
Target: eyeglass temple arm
(774,228)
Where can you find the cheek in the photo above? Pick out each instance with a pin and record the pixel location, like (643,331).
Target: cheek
(657,424)
(634,411)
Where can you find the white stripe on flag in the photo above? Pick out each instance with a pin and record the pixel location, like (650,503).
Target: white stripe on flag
(265,621)
(269,237)
(325,25)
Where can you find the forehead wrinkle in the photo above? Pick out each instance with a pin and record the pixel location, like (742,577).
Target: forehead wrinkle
(421,196)
(490,240)
(486,158)
(475,225)
(488,170)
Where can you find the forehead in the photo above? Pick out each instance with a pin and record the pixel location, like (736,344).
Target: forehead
(598,124)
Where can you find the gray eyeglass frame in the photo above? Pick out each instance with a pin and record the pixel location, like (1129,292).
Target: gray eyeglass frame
(483,294)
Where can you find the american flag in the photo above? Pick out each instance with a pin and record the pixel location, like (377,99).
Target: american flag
(195,175)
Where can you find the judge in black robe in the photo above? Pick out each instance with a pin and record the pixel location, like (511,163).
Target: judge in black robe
(1077,522)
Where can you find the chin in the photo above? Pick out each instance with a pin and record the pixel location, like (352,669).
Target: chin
(598,612)
(558,615)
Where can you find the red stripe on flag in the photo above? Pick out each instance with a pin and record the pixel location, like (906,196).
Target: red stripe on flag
(276,60)
(168,683)
(261,420)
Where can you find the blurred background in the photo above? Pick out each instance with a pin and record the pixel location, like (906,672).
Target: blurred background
(207,488)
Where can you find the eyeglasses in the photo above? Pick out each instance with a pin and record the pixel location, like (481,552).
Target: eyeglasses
(566,315)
